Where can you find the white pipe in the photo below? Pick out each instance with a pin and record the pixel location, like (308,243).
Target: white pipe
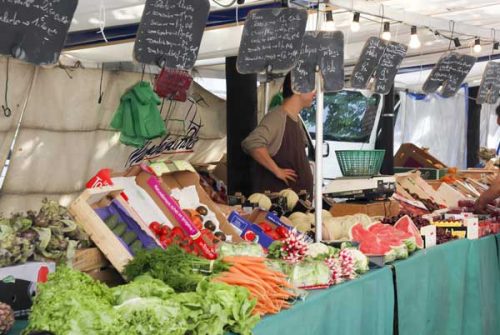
(318,173)
(266,98)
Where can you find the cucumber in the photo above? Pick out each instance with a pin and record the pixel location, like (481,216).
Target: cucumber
(120,229)
(111,221)
(136,246)
(129,237)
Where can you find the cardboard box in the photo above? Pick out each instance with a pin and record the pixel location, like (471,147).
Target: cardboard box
(179,174)
(374,208)
(249,231)
(18,285)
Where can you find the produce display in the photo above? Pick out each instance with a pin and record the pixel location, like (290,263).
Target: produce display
(49,233)
(6,318)
(73,303)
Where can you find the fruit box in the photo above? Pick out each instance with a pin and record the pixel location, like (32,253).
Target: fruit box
(178,175)
(426,173)
(409,155)
(270,223)
(18,285)
(249,231)
(375,208)
(96,205)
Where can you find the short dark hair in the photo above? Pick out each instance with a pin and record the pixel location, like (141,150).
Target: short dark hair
(287,86)
(498,110)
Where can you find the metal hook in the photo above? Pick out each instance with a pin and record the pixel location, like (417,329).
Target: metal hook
(6,109)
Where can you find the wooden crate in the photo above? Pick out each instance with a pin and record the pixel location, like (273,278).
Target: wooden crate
(101,235)
(89,259)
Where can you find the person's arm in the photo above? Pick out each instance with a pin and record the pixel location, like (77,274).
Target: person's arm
(489,195)
(262,156)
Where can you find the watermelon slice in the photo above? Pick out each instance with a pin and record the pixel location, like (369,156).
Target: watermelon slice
(406,224)
(370,244)
(389,232)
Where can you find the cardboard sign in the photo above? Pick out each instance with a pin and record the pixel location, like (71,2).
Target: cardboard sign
(170,33)
(34,31)
(324,51)
(429,234)
(448,74)
(271,40)
(489,90)
(472,224)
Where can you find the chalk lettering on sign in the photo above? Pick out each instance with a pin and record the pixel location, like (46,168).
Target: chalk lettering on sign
(271,37)
(170,32)
(388,66)
(36,29)
(369,59)
(489,90)
(449,74)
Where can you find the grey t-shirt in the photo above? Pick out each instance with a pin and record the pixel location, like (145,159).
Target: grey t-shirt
(269,132)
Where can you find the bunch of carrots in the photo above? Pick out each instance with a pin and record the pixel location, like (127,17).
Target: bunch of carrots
(267,286)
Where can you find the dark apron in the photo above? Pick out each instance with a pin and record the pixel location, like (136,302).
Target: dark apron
(291,155)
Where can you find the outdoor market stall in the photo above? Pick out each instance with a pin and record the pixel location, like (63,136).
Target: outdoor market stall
(152,243)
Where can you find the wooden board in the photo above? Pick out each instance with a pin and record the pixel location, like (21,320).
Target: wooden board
(324,51)
(448,74)
(89,259)
(170,33)
(271,40)
(34,31)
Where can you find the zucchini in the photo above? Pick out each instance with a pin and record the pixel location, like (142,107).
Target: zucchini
(129,237)
(136,246)
(111,221)
(120,229)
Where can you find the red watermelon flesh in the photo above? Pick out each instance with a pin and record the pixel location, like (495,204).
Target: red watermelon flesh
(406,224)
(370,243)
(385,229)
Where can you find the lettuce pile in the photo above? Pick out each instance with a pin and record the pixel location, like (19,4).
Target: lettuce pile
(73,303)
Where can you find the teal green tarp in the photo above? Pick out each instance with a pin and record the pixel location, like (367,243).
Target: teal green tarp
(450,289)
(362,306)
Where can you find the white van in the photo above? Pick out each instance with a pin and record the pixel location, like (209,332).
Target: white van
(350,122)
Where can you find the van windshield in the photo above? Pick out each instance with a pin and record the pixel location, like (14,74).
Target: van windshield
(349,116)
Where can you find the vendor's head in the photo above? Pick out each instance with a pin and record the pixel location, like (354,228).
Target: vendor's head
(498,115)
(305,99)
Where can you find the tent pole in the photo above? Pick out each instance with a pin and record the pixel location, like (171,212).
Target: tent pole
(266,97)
(318,173)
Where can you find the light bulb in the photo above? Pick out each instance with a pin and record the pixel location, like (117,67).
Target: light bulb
(414,40)
(477,46)
(329,24)
(355,23)
(386,35)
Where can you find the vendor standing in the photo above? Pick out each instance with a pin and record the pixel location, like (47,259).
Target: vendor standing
(278,145)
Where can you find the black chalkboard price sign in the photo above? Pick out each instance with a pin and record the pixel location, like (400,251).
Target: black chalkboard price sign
(271,40)
(34,31)
(170,32)
(367,64)
(323,51)
(448,74)
(489,90)
(388,66)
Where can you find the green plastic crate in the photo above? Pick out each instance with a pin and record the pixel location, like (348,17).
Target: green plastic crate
(357,163)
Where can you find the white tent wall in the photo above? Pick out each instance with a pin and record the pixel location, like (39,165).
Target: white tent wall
(490,131)
(65,138)
(437,123)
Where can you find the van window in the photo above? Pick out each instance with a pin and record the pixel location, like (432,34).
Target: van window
(349,116)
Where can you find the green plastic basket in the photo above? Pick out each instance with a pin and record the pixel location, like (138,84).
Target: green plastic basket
(357,163)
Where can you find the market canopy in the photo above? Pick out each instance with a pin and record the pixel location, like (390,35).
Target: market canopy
(437,21)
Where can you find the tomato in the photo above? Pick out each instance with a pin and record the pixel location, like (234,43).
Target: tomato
(164,230)
(282,232)
(266,227)
(250,236)
(155,227)
(274,235)
(165,241)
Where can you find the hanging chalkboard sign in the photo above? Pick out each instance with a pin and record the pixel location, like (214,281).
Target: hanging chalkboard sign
(34,31)
(448,74)
(368,61)
(388,66)
(489,90)
(323,51)
(170,32)
(271,40)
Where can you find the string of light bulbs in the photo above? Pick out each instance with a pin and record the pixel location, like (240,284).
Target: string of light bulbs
(414,42)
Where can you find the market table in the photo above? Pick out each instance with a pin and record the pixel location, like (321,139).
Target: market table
(450,289)
(362,306)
